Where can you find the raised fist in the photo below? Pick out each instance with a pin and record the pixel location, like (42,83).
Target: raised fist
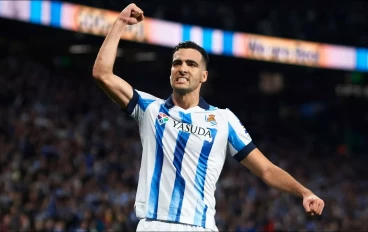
(131,14)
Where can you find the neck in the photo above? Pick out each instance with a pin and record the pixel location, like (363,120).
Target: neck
(186,101)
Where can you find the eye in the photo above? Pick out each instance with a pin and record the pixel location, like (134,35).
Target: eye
(175,63)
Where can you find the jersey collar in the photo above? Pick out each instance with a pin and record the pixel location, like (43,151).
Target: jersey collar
(169,103)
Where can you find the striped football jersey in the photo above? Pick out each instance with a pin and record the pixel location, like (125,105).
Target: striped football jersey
(184,152)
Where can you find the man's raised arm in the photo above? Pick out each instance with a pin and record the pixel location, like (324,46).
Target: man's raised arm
(115,87)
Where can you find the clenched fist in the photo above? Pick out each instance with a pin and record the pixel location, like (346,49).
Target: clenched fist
(131,14)
(313,204)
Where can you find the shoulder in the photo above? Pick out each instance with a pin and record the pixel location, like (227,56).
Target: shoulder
(224,113)
(220,113)
(145,99)
(216,109)
(147,96)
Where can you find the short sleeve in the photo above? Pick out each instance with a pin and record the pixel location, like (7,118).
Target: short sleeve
(239,143)
(139,104)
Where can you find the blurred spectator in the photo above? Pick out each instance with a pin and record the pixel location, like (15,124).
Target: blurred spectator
(68,164)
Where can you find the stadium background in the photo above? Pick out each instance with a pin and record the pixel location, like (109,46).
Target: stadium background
(69,158)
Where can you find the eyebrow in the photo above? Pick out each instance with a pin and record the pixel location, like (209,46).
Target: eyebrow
(190,61)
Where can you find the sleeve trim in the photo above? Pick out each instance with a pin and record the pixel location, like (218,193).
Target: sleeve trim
(244,152)
(132,103)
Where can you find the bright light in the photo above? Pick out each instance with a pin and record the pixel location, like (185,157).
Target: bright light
(80,49)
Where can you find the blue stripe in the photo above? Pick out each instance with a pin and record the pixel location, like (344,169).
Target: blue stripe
(185,118)
(228,43)
(179,185)
(56,14)
(156,177)
(207,39)
(212,108)
(362,59)
(198,212)
(144,103)
(234,139)
(204,216)
(200,177)
(36,7)
(186,32)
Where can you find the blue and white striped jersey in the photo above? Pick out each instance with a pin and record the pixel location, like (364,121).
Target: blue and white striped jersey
(183,154)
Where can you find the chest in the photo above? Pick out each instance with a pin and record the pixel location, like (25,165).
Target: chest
(199,127)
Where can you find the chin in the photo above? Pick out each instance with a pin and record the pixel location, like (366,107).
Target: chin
(181,90)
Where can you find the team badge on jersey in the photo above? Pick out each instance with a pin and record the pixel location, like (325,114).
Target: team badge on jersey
(162,118)
(211,119)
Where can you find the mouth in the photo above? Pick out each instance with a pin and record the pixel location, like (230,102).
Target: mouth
(181,80)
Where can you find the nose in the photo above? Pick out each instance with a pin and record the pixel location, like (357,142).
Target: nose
(183,69)
(182,72)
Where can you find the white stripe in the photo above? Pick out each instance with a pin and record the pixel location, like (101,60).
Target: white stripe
(196,35)
(212,175)
(216,163)
(340,57)
(164,33)
(238,45)
(190,160)
(232,150)
(23,9)
(217,41)
(45,12)
(67,16)
(168,173)
(7,9)
(15,10)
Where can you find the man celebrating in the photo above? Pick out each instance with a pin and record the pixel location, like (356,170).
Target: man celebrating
(185,141)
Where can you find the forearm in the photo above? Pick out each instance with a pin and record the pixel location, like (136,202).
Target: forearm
(106,57)
(278,178)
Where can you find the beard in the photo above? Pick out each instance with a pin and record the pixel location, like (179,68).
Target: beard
(182,91)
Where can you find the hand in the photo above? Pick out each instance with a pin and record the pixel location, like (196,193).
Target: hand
(313,204)
(131,14)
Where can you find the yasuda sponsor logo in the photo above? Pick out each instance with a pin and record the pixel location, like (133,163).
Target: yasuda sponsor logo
(193,129)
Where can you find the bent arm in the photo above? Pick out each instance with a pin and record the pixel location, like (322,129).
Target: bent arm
(115,87)
(273,175)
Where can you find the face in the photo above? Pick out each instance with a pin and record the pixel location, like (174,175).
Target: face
(188,71)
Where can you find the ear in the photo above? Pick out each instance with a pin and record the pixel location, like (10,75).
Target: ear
(204,76)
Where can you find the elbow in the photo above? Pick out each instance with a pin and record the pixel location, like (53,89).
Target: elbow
(98,73)
(101,70)
(267,174)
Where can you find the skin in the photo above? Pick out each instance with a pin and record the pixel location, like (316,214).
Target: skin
(188,72)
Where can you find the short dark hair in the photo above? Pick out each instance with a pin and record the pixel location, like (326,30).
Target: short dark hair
(193,45)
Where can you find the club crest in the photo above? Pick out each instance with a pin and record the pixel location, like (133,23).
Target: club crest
(211,119)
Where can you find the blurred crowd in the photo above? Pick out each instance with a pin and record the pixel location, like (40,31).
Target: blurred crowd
(69,161)
(338,22)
